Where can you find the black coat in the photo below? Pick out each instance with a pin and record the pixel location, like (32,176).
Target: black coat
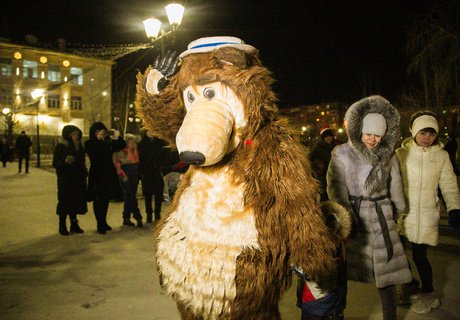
(71,178)
(23,144)
(150,158)
(102,174)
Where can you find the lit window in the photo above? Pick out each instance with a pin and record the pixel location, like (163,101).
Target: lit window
(30,69)
(75,103)
(54,73)
(6,98)
(76,76)
(5,67)
(54,101)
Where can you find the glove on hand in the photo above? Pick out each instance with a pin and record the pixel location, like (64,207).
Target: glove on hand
(454,220)
(162,69)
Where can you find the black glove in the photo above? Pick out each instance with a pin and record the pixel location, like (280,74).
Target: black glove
(454,220)
(162,69)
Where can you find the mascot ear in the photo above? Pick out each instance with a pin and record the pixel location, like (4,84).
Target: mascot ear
(231,56)
(162,69)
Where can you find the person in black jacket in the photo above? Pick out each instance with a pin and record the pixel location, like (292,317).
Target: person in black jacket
(150,154)
(23,144)
(69,162)
(102,175)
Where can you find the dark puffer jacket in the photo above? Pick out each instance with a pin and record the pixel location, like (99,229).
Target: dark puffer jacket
(102,174)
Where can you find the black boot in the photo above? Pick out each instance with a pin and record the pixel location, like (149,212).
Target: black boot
(149,217)
(138,218)
(128,222)
(74,227)
(107,227)
(62,226)
(157,216)
(101,228)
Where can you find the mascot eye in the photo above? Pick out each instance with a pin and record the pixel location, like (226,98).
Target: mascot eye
(190,97)
(209,93)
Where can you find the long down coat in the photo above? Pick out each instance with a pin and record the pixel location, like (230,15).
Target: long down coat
(355,171)
(71,177)
(423,171)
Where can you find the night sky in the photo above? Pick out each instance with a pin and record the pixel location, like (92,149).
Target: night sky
(318,50)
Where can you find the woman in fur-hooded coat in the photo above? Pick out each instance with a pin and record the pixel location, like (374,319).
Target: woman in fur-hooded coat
(241,218)
(368,183)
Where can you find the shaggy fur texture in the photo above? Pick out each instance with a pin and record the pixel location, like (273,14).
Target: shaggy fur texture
(381,156)
(278,191)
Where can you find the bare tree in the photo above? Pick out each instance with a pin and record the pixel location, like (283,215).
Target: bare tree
(434,49)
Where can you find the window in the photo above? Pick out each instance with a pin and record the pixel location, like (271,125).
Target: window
(54,73)
(54,101)
(6,98)
(76,74)
(5,67)
(30,69)
(75,103)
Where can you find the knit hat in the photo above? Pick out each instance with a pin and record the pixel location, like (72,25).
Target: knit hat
(130,137)
(374,123)
(326,132)
(422,122)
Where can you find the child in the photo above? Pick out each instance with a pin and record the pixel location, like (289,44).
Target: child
(322,304)
(425,167)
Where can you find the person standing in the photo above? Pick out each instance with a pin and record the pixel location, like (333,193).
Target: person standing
(364,177)
(425,167)
(127,164)
(102,175)
(320,157)
(150,154)
(5,151)
(23,144)
(69,162)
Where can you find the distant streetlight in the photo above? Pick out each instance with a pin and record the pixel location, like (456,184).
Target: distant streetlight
(37,94)
(152,26)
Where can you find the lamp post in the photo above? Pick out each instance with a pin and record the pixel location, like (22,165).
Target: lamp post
(152,26)
(38,94)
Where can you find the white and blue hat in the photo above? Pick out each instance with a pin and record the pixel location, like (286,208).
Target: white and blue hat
(212,43)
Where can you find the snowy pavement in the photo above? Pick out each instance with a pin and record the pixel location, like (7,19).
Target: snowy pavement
(44,275)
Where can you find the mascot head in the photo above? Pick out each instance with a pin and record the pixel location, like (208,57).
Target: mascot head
(218,79)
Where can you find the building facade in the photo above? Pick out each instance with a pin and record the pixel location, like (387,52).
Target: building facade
(73,90)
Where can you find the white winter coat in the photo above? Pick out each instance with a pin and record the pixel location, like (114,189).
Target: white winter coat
(423,171)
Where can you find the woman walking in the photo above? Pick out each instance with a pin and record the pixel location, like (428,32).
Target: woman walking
(425,167)
(364,177)
(69,162)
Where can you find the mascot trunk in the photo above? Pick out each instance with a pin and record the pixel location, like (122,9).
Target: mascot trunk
(245,211)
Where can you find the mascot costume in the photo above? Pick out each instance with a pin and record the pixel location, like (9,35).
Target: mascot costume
(245,211)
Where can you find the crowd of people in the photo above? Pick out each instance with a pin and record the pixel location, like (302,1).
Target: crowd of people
(114,162)
(393,195)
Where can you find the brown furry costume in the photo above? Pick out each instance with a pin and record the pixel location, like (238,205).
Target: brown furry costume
(237,226)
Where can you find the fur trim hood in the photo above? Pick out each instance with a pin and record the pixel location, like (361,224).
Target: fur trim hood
(378,157)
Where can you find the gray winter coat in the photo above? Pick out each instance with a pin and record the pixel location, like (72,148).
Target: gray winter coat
(368,183)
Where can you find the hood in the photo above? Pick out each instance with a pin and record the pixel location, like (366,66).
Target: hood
(379,157)
(67,130)
(94,127)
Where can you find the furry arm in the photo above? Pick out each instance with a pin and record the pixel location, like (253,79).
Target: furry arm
(162,113)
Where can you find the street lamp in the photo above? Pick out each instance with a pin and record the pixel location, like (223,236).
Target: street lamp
(152,26)
(38,94)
